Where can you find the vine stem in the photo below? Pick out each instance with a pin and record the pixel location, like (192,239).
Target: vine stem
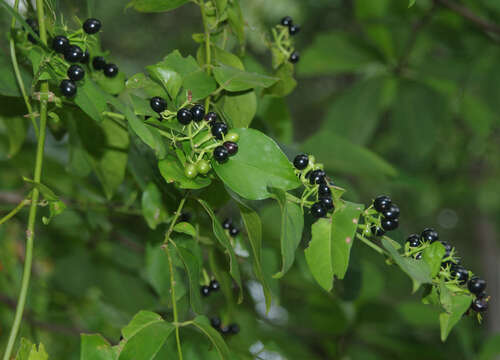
(171,268)
(17,73)
(30,232)
(371,244)
(208,59)
(18,208)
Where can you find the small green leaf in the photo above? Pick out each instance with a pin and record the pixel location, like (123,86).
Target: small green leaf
(156,5)
(232,79)
(153,209)
(240,108)
(258,164)
(143,83)
(223,239)
(114,85)
(29,351)
(433,256)
(55,208)
(292,224)
(319,253)
(92,100)
(185,228)
(193,269)
(460,303)
(226,58)
(95,347)
(8,85)
(47,193)
(236,21)
(170,79)
(411,3)
(172,171)
(286,83)
(16,128)
(203,324)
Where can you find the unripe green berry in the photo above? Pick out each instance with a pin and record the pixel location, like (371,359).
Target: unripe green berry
(232,136)
(190,171)
(203,167)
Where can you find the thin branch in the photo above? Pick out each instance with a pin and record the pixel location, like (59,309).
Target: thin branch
(470,15)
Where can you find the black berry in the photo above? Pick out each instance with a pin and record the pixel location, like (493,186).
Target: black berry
(233,231)
(227,224)
(221,154)
(390,224)
(184,116)
(85,57)
(98,63)
(414,240)
(205,290)
(214,285)
(447,248)
(68,88)
(418,256)
(76,72)
(219,129)
(460,273)
(480,305)
(294,29)
(294,57)
(392,212)
(185,217)
(73,53)
(234,329)
(317,177)
(211,117)
(327,202)
(287,21)
(318,210)
(91,26)
(301,161)
(232,147)
(430,235)
(476,285)
(376,231)
(224,330)
(198,112)
(60,43)
(158,104)
(110,70)
(215,322)
(324,190)
(382,202)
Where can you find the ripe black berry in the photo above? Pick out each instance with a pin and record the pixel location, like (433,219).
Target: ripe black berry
(214,285)
(317,177)
(91,26)
(430,235)
(60,43)
(327,203)
(185,217)
(447,248)
(110,70)
(301,161)
(227,224)
(392,212)
(211,117)
(73,53)
(318,210)
(460,273)
(184,116)
(219,129)
(294,57)
(215,322)
(68,88)
(76,72)
(85,57)
(234,329)
(418,256)
(287,21)
(221,154)
(294,29)
(205,290)
(224,330)
(198,112)
(476,285)
(414,240)
(382,202)
(233,231)
(390,224)
(480,305)
(232,147)
(98,63)
(158,104)
(324,190)
(376,231)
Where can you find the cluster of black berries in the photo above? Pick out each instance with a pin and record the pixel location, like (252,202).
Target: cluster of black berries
(475,284)
(232,329)
(228,225)
(390,215)
(317,177)
(109,69)
(207,289)
(293,29)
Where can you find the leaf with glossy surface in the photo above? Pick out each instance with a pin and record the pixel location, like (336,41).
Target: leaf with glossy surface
(240,108)
(319,253)
(259,163)
(92,100)
(203,324)
(185,228)
(172,171)
(433,255)
(170,79)
(232,79)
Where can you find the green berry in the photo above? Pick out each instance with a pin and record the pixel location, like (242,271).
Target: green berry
(203,167)
(232,136)
(190,171)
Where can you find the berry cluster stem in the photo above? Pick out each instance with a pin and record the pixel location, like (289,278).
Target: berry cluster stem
(30,232)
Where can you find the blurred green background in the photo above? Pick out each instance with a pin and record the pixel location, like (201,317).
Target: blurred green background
(391,99)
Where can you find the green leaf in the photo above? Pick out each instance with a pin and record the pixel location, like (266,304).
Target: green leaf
(292,224)
(114,85)
(334,53)
(29,351)
(55,208)
(95,347)
(286,83)
(144,335)
(170,79)
(47,193)
(16,128)
(411,3)
(143,83)
(185,228)
(224,240)
(92,100)
(275,114)
(240,108)
(193,268)
(433,256)
(8,82)
(226,58)
(490,348)
(203,324)
(319,253)
(447,320)
(156,5)
(172,171)
(232,79)
(417,270)
(258,164)
(236,21)
(153,209)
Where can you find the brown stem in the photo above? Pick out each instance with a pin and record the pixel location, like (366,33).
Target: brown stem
(470,15)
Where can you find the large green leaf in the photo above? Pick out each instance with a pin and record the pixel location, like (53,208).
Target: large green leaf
(144,336)
(8,81)
(153,209)
(202,323)
(95,347)
(232,79)
(193,269)
(172,171)
(460,303)
(258,164)
(156,5)
(92,100)
(292,224)
(224,240)
(319,253)
(240,108)
(170,79)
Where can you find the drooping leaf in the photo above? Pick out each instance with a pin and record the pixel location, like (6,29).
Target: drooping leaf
(16,129)
(460,303)
(286,83)
(319,254)
(232,79)
(258,164)
(153,209)
(172,171)
(192,267)
(95,347)
(8,82)
(92,100)
(203,324)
